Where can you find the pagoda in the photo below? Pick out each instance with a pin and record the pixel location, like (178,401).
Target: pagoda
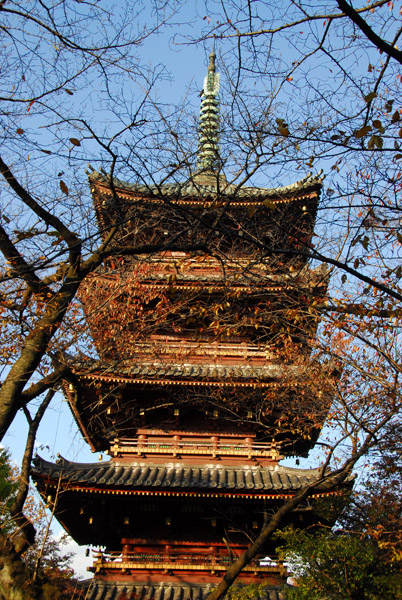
(202,382)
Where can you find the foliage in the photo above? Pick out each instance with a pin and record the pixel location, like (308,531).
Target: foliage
(8,489)
(252,591)
(55,564)
(376,508)
(337,565)
(45,557)
(362,557)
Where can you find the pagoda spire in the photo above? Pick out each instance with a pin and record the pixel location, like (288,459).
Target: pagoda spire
(208,141)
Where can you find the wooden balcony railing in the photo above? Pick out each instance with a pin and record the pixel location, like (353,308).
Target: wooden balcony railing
(209,447)
(184,562)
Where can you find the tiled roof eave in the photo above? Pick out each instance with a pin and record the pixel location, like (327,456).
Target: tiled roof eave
(189,192)
(180,381)
(140,370)
(183,492)
(169,477)
(99,589)
(208,201)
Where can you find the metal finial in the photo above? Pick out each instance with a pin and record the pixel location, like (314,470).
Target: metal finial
(212,56)
(208,144)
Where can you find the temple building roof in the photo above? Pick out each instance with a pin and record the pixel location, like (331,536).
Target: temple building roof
(193,187)
(103,503)
(172,475)
(102,590)
(167,372)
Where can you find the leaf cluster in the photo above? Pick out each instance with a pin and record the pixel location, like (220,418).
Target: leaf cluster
(338,566)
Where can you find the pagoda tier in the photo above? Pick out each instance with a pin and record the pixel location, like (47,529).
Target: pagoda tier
(234,220)
(283,404)
(174,516)
(133,306)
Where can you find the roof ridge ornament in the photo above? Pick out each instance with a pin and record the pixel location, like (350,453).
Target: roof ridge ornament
(208,160)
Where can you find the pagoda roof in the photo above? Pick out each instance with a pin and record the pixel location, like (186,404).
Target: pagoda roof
(92,498)
(209,185)
(138,370)
(112,590)
(175,476)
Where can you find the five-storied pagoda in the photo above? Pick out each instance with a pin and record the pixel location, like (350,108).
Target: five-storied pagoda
(202,382)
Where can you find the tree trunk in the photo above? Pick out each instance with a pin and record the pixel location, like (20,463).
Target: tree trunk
(15,580)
